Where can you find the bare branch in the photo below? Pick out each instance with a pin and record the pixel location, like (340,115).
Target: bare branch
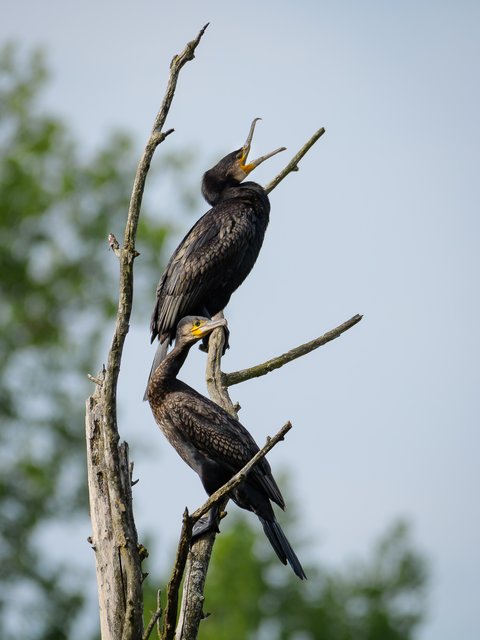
(176,65)
(114,245)
(239,477)
(118,559)
(128,251)
(213,375)
(229,379)
(293,164)
(97,380)
(159,605)
(191,612)
(175,581)
(154,619)
(114,536)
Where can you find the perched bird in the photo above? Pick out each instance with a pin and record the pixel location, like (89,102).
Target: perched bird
(219,251)
(212,442)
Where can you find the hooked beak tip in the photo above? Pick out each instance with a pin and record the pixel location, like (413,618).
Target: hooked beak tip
(250,134)
(214,324)
(247,168)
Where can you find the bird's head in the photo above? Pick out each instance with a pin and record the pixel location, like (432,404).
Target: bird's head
(233,168)
(193,328)
(239,159)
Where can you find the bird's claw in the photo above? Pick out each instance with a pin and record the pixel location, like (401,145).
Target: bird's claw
(207,523)
(203,346)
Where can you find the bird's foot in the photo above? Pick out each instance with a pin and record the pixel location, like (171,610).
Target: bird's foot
(226,344)
(208,522)
(203,346)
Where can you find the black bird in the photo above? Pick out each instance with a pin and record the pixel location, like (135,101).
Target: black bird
(212,442)
(219,251)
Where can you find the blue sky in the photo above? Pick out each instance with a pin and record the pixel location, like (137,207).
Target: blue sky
(382,220)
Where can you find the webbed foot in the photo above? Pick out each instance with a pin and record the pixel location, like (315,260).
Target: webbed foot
(208,522)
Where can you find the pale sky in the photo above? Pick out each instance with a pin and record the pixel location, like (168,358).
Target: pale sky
(382,219)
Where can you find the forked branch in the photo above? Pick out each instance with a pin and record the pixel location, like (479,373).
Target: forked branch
(114,536)
(293,164)
(229,379)
(239,477)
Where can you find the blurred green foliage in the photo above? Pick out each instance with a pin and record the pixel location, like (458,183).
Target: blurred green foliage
(251,596)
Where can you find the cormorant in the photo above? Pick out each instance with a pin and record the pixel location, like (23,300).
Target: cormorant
(212,442)
(219,251)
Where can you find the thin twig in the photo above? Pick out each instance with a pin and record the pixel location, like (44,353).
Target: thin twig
(175,581)
(159,604)
(293,164)
(114,245)
(154,619)
(175,67)
(229,379)
(97,380)
(239,477)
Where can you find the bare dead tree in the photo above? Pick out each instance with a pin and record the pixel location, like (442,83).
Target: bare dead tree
(114,537)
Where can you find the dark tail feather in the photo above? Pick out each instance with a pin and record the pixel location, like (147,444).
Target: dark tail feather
(281,546)
(160,354)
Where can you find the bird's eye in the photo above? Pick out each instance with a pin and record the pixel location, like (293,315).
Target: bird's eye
(239,155)
(197,323)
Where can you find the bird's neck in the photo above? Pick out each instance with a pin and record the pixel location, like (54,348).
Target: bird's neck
(167,371)
(215,187)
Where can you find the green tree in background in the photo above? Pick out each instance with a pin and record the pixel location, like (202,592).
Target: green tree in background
(58,292)
(251,597)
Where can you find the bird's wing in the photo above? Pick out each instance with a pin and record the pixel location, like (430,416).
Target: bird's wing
(205,258)
(223,439)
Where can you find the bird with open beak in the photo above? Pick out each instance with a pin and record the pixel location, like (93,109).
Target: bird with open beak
(219,251)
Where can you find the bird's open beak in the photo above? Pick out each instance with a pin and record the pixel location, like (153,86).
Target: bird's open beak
(246,150)
(209,326)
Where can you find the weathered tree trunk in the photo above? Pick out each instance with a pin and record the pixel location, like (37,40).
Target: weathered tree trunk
(114,536)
